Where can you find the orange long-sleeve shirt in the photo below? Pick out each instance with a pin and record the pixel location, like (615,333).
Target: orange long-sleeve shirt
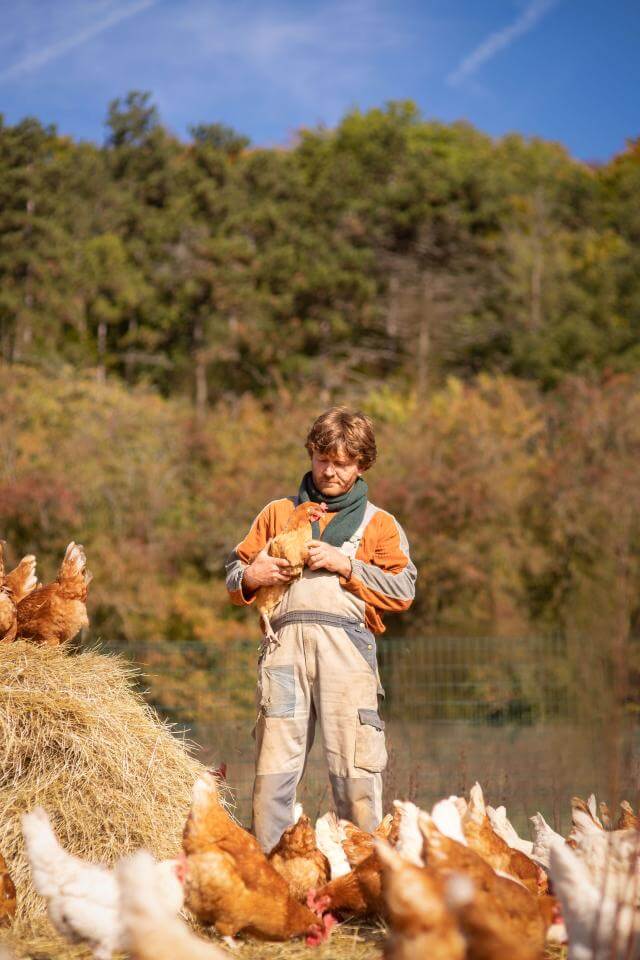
(383,575)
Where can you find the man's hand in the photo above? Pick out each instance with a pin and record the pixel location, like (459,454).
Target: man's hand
(323,556)
(265,571)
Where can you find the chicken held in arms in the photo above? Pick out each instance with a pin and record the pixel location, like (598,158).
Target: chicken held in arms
(56,612)
(292,545)
(229,882)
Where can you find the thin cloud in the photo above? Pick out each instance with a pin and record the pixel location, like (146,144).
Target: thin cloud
(35,60)
(500,40)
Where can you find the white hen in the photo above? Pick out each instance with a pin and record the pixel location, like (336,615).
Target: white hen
(544,836)
(599,927)
(612,860)
(150,931)
(82,898)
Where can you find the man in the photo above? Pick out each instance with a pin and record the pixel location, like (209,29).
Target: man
(323,665)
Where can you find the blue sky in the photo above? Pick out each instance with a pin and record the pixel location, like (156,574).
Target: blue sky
(566,70)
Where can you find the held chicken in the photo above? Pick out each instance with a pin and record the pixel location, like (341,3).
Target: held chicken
(55,613)
(82,898)
(151,932)
(7,895)
(230,883)
(14,587)
(298,860)
(292,545)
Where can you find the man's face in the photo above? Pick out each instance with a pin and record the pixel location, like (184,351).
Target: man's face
(333,474)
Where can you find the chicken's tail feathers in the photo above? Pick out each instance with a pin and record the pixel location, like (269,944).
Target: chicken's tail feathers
(329,836)
(476,810)
(206,789)
(22,580)
(74,563)
(410,840)
(447,818)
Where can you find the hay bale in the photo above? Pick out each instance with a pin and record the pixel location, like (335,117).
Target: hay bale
(77,738)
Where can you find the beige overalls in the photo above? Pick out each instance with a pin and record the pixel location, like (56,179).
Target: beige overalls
(322,667)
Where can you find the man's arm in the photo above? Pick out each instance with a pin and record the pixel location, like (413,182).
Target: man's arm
(387,581)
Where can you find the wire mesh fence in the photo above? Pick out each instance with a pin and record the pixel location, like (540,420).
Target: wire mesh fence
(534,719)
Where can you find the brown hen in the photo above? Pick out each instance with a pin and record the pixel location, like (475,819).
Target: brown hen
(627,819)
(229,881)
(358,892)
(519,909)
(358,844)
(421,924)
(54,613)
(486,924)
(7,895)
(14,587)
(482,838)
(297,859)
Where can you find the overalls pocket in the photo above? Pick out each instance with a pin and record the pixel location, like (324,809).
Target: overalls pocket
(278,691)
(371,752)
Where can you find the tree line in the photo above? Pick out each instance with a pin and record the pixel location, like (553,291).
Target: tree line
(390,247)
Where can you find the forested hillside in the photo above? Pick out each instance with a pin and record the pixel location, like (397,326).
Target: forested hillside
(390,247)
(173,315)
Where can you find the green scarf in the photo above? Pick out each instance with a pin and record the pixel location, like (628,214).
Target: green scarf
(349,508)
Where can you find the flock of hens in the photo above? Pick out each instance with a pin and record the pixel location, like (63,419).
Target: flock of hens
(454,883)
(451,884)
(49,614)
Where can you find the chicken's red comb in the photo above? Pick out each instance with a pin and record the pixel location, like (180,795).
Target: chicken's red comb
(220,773)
